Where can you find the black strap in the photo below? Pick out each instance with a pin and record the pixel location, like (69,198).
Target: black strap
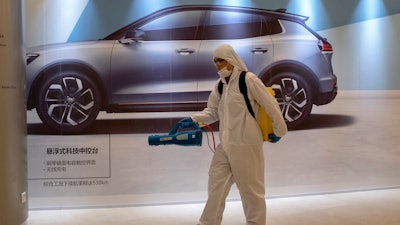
(220,87)
(243,90)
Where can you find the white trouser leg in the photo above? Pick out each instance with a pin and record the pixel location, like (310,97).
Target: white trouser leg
(219,183)
(247,163)
(245,166)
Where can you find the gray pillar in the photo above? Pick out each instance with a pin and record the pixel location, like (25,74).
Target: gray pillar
(13,157)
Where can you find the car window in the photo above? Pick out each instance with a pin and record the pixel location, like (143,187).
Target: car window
(271,26)
(231,25)
(175,26)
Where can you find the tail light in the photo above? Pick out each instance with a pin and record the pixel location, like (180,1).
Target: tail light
(325,46)
(327,51)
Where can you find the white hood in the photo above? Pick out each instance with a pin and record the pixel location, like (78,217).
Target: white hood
(226,52)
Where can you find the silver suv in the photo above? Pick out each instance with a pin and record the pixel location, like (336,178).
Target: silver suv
(162,62)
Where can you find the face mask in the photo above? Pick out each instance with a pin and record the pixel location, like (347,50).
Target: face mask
(224,72)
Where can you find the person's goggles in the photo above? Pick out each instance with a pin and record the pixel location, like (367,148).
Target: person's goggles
(218,62)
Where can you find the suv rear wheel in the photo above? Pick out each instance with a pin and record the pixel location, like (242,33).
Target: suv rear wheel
(68,102)
(294,96)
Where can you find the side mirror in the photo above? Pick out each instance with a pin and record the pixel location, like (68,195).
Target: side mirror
(132,36)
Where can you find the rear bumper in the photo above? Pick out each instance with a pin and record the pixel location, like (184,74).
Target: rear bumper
(325,98)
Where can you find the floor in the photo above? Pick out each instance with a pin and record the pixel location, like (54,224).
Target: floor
(340,168)
(375,207)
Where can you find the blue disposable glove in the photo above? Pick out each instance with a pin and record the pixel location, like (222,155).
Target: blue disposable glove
(273,138)
(186,122)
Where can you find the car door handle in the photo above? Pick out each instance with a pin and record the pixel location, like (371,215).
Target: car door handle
(259,50)
(185,51)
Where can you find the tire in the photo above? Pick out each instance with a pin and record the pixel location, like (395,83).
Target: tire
(294,96)
(68,102)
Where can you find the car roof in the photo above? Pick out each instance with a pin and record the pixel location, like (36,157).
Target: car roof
(278,13)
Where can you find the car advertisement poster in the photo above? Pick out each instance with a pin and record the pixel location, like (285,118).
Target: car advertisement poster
(99,85)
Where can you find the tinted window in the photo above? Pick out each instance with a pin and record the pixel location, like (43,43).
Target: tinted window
(175,26)
(231,25)
(271,26)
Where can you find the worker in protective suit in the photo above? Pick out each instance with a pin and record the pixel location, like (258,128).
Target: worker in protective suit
(239,157)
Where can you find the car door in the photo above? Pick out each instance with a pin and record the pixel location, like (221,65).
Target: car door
(157,70)
(244,31)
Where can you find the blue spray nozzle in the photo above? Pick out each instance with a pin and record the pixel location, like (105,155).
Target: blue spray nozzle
(186,138)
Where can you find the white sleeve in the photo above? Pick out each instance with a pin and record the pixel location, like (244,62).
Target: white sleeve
(209,115)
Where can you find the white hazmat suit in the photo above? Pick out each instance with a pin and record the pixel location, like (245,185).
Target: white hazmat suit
(239,157)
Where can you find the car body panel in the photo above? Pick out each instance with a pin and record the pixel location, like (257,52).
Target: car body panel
(136,78)
(163,62)
(93,54)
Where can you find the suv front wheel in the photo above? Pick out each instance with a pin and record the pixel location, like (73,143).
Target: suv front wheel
(294,97)
(68,102)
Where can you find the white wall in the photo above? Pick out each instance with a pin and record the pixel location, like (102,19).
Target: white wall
(51,21)
(366,54)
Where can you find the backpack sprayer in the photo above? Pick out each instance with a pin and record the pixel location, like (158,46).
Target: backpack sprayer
(189,137)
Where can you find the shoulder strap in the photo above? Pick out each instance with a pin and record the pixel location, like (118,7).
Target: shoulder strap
(220,87)
(243,90)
